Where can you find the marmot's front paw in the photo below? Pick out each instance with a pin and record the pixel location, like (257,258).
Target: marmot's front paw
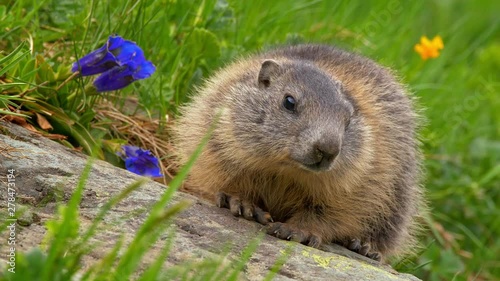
(286,231)
(243,208)
(363,249)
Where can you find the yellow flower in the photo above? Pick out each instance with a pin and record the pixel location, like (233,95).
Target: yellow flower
(429,49)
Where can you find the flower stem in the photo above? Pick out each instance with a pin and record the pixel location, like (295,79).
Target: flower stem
(76,73)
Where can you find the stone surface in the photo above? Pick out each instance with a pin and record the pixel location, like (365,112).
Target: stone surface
(47,172)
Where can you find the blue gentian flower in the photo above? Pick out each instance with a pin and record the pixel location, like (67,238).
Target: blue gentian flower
(140,161)
(102,59)
(121,76)
(120,61)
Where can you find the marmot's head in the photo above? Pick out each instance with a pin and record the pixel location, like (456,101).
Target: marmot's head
(295,115)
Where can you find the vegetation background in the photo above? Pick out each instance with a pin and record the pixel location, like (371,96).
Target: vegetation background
(189,39)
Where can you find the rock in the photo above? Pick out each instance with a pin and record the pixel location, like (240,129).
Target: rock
(47,172)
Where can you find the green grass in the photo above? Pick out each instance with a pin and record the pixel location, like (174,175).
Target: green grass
(188,40)
(67,243)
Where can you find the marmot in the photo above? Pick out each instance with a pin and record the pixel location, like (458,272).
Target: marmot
(318,143)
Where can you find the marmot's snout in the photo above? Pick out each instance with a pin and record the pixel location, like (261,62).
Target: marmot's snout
(321,155)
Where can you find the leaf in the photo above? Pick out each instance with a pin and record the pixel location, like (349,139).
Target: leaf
(55,137)
(490,175)
(45,72)
(62,11)
(7,86)
(21,121)
(82,136)
(12,59)
(86,118)
(7,102)
(113,145)
(28,72)
(12,54)
(202,43)
(63,72)
(40,106)
(42,122)
(74,129)
(11,113)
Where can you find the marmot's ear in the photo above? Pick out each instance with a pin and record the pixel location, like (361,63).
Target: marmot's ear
(269,69)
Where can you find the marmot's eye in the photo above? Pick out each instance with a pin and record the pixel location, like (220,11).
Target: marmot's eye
(289,103)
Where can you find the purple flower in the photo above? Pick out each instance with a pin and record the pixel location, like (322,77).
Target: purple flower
(120,61)
(140,161)
(121,76)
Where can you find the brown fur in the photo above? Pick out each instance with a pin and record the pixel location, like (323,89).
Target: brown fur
(257,151)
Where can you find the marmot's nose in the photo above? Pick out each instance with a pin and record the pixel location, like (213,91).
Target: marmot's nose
(325,153)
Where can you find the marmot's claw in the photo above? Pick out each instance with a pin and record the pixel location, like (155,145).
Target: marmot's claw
(243,208)
(375,256)
(221,200)
(288,232)
(248,210)
(354,245)
(363,249)
(314,241)
(235,206)
(261,216)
